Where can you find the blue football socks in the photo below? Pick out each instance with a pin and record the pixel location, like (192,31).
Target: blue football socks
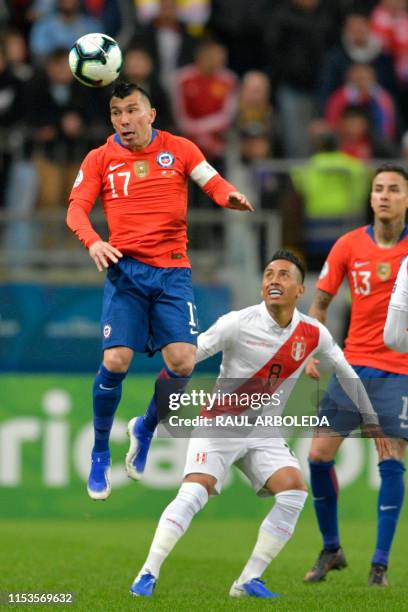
(107,391)
(167,383)
(325,489)
(390,499)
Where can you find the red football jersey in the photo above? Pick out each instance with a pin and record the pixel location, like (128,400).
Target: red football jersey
(371,272)
(144,196)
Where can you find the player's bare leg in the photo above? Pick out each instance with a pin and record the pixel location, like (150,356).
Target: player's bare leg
(179,359)
(390,499)
(325,491)
(174,522)
(107,391)
(289,489)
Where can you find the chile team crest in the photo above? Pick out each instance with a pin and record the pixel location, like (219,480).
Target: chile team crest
(298,349)
(384,271)
(165,159)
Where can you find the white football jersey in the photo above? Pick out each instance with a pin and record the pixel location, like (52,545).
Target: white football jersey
(396,325)
(256,348)
(399,295)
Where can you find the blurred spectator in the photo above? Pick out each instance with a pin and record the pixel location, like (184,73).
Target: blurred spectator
(57,110)
(389,22)
(256,121)
(357,138)
(255,112)
(194,13)
(205,101)
(61,29)
(241,30)
(16,52)
(138,68)
(254,143)
(167,42)
(362,89)
(10,112)
(333,188)
(107,12)
(357,45)
(296,35)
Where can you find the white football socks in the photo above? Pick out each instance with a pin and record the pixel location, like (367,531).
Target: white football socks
(276,529)
(173,523)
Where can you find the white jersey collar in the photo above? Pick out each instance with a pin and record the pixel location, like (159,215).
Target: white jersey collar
(271,323)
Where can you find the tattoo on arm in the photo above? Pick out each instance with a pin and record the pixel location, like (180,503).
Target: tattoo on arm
(320,305)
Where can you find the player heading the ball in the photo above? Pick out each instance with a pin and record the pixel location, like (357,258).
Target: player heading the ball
(141,175)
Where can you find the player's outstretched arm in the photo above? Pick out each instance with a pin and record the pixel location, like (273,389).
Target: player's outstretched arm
(320,305)
(396,325)
(103,253)
(216,187)
(237,201)
(396,330)
(318,310)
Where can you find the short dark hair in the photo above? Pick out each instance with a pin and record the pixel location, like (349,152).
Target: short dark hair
(123,89)
(288,256)
(391,168)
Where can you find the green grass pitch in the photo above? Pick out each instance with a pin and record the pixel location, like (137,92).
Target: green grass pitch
(97,560)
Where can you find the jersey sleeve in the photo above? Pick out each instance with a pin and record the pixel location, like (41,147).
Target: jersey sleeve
(206,177)
(327,348)
(335,267)
(88,183)
(218,337)
(82,199)
(396,325)
(347,377)
(399,295)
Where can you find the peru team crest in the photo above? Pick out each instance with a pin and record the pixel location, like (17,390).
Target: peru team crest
(201,458)
(384,271)
(298,350)
(165,159)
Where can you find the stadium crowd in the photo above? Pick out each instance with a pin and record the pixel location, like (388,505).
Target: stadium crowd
(323,81)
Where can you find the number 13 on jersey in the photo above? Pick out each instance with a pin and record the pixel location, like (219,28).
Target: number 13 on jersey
(361,282)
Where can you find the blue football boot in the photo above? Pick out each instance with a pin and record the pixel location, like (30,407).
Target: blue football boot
(140,439)
(143,586)
(253,588)
(99,486)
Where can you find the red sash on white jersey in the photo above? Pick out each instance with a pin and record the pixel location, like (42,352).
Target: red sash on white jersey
(291,355)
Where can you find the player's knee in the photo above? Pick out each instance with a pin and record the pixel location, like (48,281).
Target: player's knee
(397,450)
(286,479)
(117,359)
(322,452)
(181,363)
(205,480)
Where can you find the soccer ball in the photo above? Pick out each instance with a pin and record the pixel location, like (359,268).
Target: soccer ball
(95,60)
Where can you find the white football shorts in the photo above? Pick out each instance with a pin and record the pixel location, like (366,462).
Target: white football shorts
(257,458)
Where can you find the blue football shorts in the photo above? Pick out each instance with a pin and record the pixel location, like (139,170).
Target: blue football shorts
(388,393)
(145,308)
